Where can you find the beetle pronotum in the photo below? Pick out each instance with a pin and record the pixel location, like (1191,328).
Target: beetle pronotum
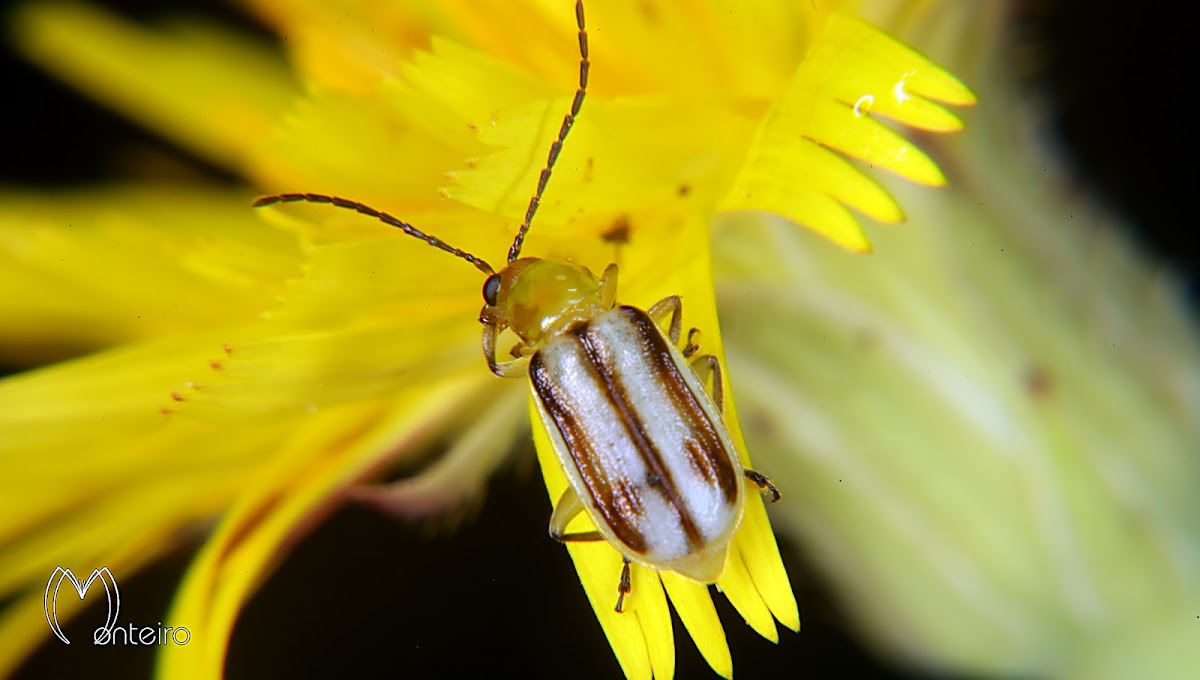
(641,440)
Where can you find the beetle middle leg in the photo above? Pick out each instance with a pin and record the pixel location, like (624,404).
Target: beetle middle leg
(669,305)
(709,365)
(692,346)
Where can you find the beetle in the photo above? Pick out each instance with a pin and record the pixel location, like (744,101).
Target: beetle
(641,439)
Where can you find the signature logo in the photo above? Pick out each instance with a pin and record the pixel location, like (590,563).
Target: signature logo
(110,590)
(109,633)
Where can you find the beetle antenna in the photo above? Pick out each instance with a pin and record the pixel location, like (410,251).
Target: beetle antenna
(568,120)
(379,215)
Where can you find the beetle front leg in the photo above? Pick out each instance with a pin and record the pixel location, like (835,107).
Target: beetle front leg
(516,368)
(608,287)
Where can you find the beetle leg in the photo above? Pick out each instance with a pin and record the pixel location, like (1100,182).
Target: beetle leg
(708,365)
(521,350)
(764,483)
(659,311)
(624,587)
(565,510)
(515,368)
(608,287)
(692,346)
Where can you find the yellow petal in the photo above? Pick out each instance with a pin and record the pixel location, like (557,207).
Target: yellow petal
(348,48)
(650,607)
(394,144)
(695,607)
(851,71)
(602,170)
(81,270)
(207,88)
(865,49)
(599,568)
(760,553)
(738,586)
(92,473)
(325,454)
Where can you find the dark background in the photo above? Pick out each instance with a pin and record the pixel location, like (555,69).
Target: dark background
(495,596)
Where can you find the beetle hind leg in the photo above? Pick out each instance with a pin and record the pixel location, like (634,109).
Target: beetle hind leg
(764,483)
(565,510)
(625,586)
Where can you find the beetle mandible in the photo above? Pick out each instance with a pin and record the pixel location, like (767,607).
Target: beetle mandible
(642,441)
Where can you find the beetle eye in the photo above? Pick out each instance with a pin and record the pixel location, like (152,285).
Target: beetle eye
(491,288)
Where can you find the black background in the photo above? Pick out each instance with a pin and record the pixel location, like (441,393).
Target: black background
(495,596)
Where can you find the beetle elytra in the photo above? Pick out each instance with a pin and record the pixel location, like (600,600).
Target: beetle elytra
(641,438)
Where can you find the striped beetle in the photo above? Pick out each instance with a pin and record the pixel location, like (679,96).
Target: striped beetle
(641,440)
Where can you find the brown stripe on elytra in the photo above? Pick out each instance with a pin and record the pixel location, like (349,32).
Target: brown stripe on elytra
(620,400)
(616,506)
(705,448)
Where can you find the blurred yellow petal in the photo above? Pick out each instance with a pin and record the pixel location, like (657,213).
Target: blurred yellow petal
(95,473)
(323,456)
(205,87)
(394,144)
(346,47)
(98,267)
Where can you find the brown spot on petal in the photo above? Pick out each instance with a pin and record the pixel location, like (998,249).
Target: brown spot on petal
(619,231)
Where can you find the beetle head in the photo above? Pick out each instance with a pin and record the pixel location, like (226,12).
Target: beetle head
(537,298)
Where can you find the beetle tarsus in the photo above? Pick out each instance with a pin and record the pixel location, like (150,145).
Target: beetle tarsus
(624,587)
(764,483)
(581,537)
(692,346)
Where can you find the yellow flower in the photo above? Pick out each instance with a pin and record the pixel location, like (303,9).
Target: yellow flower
(261,367)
